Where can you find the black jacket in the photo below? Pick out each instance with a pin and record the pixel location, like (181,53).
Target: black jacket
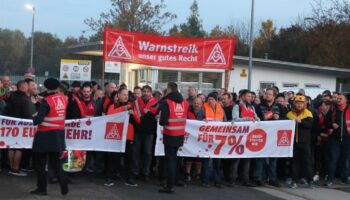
(174,141)
(228,112)
(148,124)
(264,108)
(19,105)
(47,141)
(73,111)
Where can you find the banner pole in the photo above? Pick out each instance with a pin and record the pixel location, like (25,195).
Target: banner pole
(103,74)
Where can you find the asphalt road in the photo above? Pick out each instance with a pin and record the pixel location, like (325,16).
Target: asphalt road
(89,186)
(86,186)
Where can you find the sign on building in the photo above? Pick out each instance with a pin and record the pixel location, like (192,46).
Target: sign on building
(112,67)
(76,70)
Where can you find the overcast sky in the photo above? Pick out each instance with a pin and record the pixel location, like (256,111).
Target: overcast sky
(65,17)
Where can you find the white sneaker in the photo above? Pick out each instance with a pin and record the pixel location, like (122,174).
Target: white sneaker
(316,178)
(19,173)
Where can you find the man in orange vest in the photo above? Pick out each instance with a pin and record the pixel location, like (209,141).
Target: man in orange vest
(49,140)
(213,113)
(173,114)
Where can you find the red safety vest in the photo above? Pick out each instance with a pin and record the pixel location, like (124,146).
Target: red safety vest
(177,118)
(247,112)
(106,103)
(140,105)
(54,120)
(80,105)
(347,118)
(89,108)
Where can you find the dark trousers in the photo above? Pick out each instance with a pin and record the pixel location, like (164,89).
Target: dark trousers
(216,170)
(244,166)
(171,164)
(27,157)
(321,159)
(230,168)
(264,165)
(302,161)
(3,159)
(338,151)
(143,145)
(40,164)
(128,160)
(113,164)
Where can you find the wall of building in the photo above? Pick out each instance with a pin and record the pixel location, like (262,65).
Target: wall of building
(279,77)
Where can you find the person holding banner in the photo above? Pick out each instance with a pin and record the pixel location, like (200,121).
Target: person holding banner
(145,131)
(302,144)
(213,113)
(268,110)
(122,105)
(89,108)
(195,112)
(244,111)
(49,140)
(173,113)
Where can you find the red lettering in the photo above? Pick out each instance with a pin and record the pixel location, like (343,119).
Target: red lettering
(222,139)
(76,134)
(69,133)
(25,132)
(84,135)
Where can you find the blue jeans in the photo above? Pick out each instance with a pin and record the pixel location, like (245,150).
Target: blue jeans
(338,150)
(263,164)
(206,170)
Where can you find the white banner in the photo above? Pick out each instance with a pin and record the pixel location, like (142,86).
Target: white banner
(238,140)
(76,70)
(107,133)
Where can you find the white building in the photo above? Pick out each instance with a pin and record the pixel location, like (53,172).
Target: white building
(266,73)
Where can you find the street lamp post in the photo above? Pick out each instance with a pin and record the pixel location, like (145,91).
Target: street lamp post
(251,47)
(32,8)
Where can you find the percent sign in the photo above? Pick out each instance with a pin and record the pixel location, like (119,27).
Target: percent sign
(232,141)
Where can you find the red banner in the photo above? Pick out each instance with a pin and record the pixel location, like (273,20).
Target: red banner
(167,51)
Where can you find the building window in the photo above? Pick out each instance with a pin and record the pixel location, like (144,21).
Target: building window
(288,85)
(265,85)
(167,76)
(311,85)
(190,77)
(211,82)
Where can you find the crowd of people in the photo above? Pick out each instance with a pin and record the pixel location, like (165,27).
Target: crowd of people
(321,145)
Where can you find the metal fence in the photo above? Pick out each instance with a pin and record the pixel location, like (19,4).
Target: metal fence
(40,80)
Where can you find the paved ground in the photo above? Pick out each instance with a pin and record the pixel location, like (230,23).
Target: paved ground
(90,187)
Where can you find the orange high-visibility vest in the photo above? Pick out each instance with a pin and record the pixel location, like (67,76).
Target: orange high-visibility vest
(210,115)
